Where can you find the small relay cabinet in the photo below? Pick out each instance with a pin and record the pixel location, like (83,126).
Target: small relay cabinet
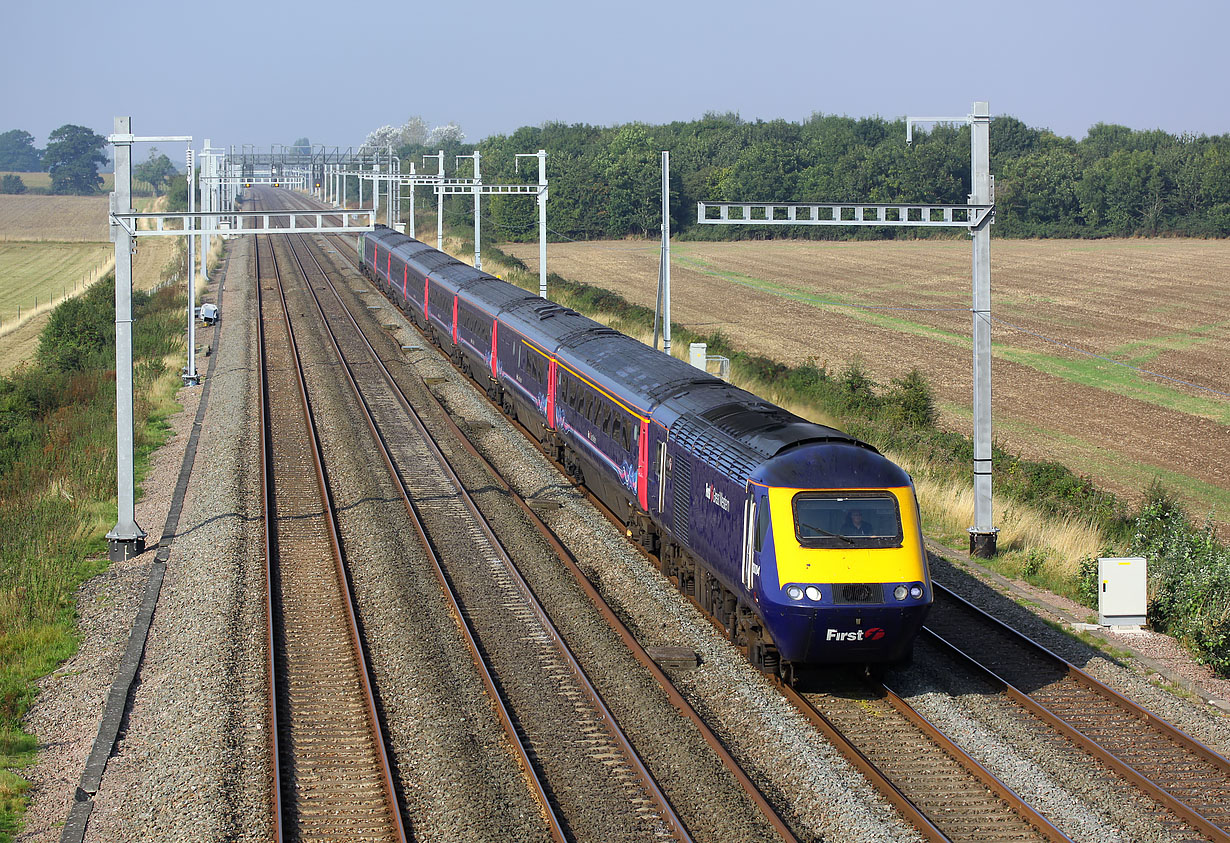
(1122,591)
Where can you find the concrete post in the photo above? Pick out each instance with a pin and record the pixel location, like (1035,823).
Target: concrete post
(983,535)
(126,538)
(666,251)
(190,376)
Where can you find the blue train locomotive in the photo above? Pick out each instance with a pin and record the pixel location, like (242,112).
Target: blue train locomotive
(802,541)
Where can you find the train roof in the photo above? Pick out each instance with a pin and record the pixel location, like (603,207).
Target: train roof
(628,368)
(544,322)
(840,464)
(493,295)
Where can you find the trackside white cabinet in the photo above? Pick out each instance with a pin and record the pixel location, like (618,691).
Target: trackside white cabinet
(698,355)
(1122,591)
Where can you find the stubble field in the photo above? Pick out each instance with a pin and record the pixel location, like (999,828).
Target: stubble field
(56,218)
(1159,305)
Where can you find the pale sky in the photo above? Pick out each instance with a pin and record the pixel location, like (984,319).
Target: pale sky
(261,72)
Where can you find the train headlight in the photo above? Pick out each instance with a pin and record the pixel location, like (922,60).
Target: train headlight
(900,592)
(794,592)
(916,592)
(812,593)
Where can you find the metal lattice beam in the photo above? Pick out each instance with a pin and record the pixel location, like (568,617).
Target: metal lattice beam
(843,213)
(258,222)
(450,189)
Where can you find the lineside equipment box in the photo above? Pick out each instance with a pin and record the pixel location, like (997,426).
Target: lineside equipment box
(1122,592)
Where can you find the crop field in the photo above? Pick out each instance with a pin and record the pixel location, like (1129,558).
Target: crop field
(39,272)
(43,180)
(57,218)
(1161,305)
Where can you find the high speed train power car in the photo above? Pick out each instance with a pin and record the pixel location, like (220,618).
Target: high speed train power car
(802,541)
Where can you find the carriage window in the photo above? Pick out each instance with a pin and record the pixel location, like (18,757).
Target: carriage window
(606,421)
(617,430)
(847,519)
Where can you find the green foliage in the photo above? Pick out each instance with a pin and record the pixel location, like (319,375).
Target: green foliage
(73,156)
(18,153)
(1117,181)
(11,183)
(157,170)
(57,490)
(81,331)
(1189,577)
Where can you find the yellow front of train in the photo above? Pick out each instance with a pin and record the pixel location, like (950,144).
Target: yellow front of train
(843,574)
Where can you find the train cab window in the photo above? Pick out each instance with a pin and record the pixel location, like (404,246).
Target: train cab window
(847,519)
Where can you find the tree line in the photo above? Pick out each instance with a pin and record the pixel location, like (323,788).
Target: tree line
(605,181)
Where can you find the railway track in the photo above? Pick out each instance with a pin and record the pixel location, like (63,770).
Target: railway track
(942,791)
(331,777)
(939,788)
(1182,774)
(964,802)
(590,782)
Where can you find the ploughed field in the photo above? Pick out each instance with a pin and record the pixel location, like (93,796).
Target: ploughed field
(1160,305)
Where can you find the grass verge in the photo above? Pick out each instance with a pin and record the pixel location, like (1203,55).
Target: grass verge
(57,489)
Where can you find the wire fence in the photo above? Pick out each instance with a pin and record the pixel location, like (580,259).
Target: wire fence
(38,304)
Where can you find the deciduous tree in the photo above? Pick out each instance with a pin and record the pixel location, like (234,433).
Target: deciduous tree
(73,156)
(17,152)
(12,184)
(157,170)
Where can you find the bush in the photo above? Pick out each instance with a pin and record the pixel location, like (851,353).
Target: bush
(81,331)
(11,183)
(1189,577)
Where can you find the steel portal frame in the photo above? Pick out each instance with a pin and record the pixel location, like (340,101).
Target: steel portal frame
(976,217)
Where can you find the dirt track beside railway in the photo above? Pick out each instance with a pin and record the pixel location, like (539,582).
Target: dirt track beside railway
(1155,304)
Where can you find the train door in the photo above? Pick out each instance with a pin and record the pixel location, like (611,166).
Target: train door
(757,541)
(663,474)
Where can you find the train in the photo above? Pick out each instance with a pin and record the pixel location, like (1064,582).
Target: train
(802,542)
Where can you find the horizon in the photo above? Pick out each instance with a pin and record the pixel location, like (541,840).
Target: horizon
(1053,65)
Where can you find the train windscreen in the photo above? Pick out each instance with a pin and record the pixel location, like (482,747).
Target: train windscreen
(847,519)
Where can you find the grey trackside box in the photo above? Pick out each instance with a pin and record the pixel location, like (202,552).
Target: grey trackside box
(1122,591)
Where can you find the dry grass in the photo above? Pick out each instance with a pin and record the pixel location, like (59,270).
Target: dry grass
(56,218)
(1057,545)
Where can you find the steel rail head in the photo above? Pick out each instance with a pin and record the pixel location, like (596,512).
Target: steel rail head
(1136,709)
(1180,808)
(343,575)
(555,827)
(276,785)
